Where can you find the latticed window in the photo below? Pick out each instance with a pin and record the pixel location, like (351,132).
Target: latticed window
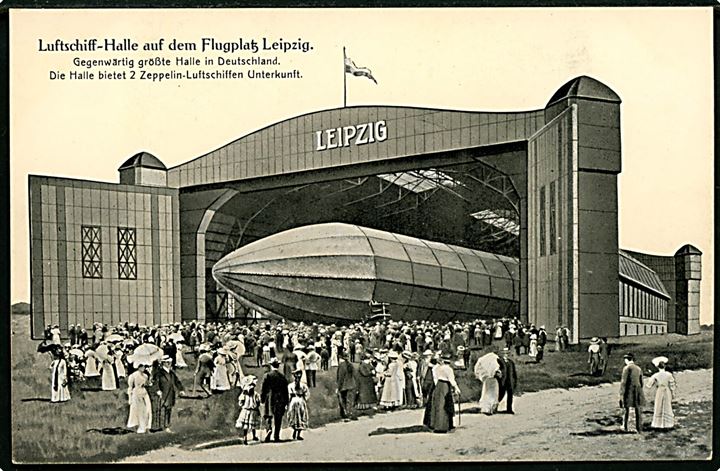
(91,252)
(127,255)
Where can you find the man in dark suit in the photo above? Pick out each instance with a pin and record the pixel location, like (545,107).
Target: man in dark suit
(274,395)
(346,387)
(508,380)
(164,390)
(631,392)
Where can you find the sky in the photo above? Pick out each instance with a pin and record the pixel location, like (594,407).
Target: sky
(659,61)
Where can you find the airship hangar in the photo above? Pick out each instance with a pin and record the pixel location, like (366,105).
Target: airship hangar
(438,214)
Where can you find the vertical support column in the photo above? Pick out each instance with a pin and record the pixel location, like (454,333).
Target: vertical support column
(688,273)
(573,279)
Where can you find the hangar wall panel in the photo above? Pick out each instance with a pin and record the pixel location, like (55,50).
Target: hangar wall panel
(102,253)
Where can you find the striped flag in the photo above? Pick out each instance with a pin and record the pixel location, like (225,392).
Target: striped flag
(351,68)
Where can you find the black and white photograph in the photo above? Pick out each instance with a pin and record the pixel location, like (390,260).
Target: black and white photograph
(326,235)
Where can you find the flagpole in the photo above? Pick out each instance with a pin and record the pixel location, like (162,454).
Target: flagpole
(344,81)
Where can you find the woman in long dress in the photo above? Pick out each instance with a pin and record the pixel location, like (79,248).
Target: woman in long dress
(487,369)
(442,409)
(297,416)
(91,365)
(394,384)
(367,397)
(412,393)
(109,382)
(533,345)
(179,358)
(220,381)
(594,356)
(120,363)
(140,415)
(59,378)
(663,417)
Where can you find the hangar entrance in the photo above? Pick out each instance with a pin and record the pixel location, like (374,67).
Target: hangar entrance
(460,198)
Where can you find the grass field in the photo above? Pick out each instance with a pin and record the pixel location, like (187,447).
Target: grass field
(43,432)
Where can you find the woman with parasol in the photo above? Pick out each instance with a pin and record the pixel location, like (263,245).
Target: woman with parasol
(140,414)
(487,370)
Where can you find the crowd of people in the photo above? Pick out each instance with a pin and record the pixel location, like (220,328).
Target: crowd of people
(382,365)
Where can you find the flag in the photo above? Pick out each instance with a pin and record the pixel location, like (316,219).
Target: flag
(351,68)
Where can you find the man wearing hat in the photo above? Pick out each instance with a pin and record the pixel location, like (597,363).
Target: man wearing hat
(631,391)
(508,380)
(312,364)
(275,397)
(346,386)
(166,386)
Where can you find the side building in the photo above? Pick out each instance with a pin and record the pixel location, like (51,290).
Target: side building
(105,252)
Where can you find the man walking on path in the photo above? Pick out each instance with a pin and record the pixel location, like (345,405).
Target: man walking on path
(508,381)
(275,397)
(166,386)
(631,392)
(346,387)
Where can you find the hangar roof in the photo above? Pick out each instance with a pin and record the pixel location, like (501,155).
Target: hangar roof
(639,273)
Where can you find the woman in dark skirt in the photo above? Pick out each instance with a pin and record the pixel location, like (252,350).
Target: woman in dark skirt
(428,386)
(442,408)
(367,398)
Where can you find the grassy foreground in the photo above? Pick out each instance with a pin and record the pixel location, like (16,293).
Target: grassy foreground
(43,432)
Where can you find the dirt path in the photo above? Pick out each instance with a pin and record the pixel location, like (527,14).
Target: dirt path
(549,425)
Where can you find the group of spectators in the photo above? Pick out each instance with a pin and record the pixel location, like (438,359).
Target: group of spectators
(379,365)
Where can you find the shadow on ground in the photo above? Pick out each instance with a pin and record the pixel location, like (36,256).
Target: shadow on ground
(399,430)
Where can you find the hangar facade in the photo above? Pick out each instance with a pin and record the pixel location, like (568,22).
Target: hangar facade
(540,186)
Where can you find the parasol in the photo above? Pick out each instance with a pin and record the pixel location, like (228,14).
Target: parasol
(177,337)
(486,366)
(103,353)
(232,344)
(146,354)
(114,338)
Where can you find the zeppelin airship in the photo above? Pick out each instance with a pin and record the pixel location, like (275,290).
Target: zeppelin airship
(331,272)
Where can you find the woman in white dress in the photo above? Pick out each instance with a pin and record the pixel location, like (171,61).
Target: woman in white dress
(140,409)
(663,417)
(179,358)
(533,345)
(394,384)
(487,370)
(59,379)
(108,373)
(120,364)
(91,365)
(334,351)
(220,381)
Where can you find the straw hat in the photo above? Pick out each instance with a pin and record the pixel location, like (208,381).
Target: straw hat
(428,353)
(392,354)
(657,360)
(248,382)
